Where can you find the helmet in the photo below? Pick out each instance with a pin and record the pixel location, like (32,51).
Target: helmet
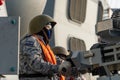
(39,22)
(60,50)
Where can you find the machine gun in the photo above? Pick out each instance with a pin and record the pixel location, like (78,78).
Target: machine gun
(103,61)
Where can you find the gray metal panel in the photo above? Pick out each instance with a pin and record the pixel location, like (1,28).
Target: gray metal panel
(114,77)
(112,62)
(95,59)
(76,59)
(104,78)
(9,45)
(80,59)
(49,8)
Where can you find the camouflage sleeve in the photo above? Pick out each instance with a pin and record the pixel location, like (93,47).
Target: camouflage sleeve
(36,62)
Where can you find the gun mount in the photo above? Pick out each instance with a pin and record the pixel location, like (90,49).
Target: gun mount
(103,61)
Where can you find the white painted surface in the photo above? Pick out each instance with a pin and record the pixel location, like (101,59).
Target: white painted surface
(10,77)
(66,28)
(114,3)
(3,11)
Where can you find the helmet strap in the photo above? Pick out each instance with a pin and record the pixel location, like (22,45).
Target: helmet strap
(45,36)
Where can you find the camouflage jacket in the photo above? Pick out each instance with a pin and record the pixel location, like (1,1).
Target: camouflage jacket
(32,58)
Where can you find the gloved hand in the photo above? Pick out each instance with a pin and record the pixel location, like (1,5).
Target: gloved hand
(65,68)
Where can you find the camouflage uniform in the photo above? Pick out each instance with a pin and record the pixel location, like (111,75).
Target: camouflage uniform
(32,60)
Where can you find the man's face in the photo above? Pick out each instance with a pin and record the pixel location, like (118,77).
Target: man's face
(48,30)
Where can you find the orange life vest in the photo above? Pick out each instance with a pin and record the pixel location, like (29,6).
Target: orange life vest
(48,53)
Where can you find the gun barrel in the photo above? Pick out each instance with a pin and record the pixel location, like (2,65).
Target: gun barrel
(89,54)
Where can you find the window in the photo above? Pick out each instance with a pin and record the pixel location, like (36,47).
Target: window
(100,12)
(77,10)
(76,44)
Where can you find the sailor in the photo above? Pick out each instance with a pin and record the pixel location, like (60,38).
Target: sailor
(37,61)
